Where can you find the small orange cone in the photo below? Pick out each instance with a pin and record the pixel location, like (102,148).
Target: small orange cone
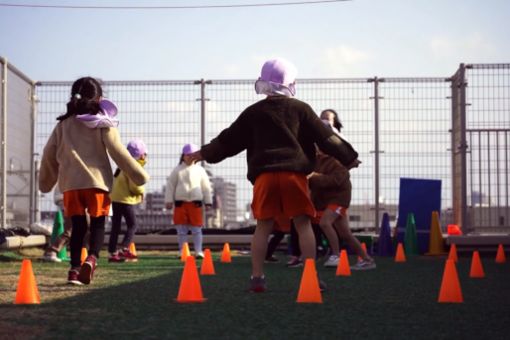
(364,247)
(185,252)
(500,255)
(476,266)
(84,254)
(343,268)
(132,248)
(225,254)
(309,290)
(400,256)
(27,292)
(450,286)
(190,289)
(452,255)
(207,267)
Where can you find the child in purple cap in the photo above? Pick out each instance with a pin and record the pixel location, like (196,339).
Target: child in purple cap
(188,189)
(279,134)
(126,196)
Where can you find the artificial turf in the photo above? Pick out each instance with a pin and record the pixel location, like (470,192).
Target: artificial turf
(137,301)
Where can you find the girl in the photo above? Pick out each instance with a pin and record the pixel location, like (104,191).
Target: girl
(76,155)
(187,189)
(125,196)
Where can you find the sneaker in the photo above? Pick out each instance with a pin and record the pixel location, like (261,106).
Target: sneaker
(72,277)
(272,259)
(87,269)
(128,256)
(257,284)
(115,257)
(332,261)
(364,265)
(295,262)
(51,256)
(199,255)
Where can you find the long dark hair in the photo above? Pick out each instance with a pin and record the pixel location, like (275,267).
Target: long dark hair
(85,95)
(336,121)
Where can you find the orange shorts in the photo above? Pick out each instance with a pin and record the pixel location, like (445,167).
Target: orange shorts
(95,202)
(282,223)
(283,194)
(189,213)
(337,209)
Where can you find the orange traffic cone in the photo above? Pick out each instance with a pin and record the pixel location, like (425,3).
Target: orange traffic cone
(500,255)
(225,254)
(309,290)
(132,248)
(452,255)
(84,254)
(185,252)
(450,286)
(476,266)
(400,256)
(190,289)
(343,268)
(207,267)
(364,247)
(27,292)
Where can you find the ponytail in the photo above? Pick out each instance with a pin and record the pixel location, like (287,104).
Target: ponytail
(85,95)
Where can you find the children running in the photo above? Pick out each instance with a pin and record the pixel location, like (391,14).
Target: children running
(125,196)
(279,134)
(76,155)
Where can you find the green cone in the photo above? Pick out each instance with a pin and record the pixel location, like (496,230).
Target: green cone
(58,229)
(410,239)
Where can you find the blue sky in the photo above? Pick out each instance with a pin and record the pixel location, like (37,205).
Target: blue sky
(359,38)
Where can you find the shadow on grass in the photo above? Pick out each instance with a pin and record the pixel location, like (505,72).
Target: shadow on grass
(395,301)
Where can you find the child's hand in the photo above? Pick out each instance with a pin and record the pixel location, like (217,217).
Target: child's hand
(169,206)
(208,207)
(195,156)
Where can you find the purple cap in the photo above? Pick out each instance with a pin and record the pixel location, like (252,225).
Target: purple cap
(189,148)
(279,71)
(137,148)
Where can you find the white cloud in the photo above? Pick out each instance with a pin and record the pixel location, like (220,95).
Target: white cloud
(472,47)
(341,60)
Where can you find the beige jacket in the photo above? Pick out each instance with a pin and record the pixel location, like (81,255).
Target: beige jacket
(77,157)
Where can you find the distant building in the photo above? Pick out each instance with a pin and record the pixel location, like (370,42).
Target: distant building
(155,201)
(226,197)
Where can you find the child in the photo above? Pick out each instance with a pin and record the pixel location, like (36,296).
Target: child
(125,196)
(278,133)
(330,188)
(76,155)
(188,188)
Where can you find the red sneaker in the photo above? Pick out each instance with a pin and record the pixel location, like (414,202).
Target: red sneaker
(128,256)
(72,277)
(87,269)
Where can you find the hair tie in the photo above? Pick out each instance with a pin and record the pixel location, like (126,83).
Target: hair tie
(77,96)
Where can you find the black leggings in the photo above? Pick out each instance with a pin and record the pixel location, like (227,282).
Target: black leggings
(78,235)
(128,212)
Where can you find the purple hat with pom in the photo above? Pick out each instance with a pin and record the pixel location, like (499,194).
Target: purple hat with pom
(189,148)
(277,77)
(137,148)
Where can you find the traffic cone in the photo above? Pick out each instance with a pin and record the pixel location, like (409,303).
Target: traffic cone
(450,286)
(132,249)
(410,238)
(500,255)
(225,254)
(207,267)
(190,289)
(385,244)
(84,254)
(27,292)
(452,255)
(185,252)
(400,255)
(476,266)
(364,247)
(343,268)
(58,230)
(436,240)
(309,290)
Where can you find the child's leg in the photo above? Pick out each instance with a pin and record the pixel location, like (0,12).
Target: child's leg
(196,232)
(342,226)
(130,218)
(274,242)
(182,235)
(116,225)
(326,224)
(306,236)
(294,241)
(79,229)
(259,246)
(96,235)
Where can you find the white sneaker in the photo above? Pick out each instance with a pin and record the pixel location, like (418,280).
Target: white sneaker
(199,255)
(332,261)
(364,265)
(51,257)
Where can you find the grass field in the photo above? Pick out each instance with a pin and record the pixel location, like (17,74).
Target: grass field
(137,301)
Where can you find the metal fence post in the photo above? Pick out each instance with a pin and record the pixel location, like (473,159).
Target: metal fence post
(376,153)
(3,161)
(202,99)
(33,216)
